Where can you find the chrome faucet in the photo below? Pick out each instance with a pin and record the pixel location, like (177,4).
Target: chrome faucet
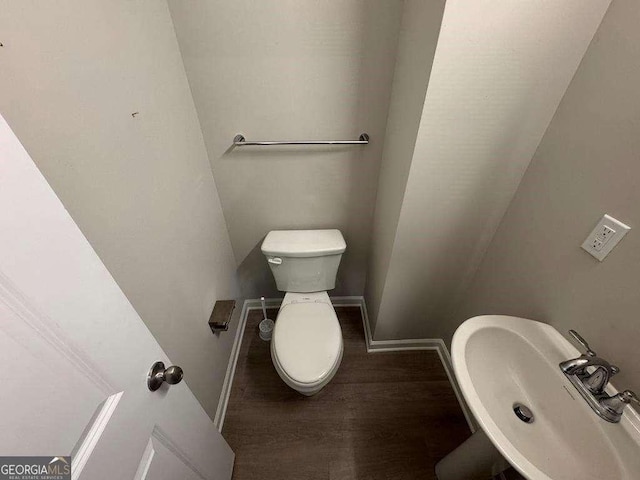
(599,378)
(590,375)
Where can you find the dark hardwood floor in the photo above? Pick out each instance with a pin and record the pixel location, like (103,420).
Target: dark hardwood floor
(383,416)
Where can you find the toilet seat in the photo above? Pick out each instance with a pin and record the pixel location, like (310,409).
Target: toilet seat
(306,346)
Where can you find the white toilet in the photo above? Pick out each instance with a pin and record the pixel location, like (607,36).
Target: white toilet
(306,346)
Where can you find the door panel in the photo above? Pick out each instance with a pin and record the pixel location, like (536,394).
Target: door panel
(163,460)
(76,354)
(54,396)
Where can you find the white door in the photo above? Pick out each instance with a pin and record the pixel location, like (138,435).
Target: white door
(75,354)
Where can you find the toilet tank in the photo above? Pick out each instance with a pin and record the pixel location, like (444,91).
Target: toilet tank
(304,260)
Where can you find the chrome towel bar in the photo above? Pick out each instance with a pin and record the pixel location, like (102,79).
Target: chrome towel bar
(240,141)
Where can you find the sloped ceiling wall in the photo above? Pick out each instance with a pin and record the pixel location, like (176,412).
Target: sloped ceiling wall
(586,165)
(499,73)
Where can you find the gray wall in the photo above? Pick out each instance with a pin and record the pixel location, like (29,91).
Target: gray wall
(416,46)
(587,165)
(499,73)
(302,69)
(140,189)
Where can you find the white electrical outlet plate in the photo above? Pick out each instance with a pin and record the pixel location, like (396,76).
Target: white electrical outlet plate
(606,235)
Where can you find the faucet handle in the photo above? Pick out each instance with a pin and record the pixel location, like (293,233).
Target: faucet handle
(627,396)
(615,404)
(582,342)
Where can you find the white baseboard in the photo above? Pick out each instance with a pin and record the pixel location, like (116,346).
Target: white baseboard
(218,420)
(436,344)
(373,346)
(251,304)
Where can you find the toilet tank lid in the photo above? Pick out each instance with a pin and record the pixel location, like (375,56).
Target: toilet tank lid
(303,243)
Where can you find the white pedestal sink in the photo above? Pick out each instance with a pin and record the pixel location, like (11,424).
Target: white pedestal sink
(503,361)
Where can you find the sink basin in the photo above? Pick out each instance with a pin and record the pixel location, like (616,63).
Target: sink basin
(501,361)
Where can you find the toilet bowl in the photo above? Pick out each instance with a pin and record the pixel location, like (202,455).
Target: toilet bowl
(306,346)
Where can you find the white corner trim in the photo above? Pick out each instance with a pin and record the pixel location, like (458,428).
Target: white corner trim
(445,358)
(218,420)
(373,346)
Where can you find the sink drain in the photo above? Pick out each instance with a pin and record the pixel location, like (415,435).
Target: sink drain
(523,412)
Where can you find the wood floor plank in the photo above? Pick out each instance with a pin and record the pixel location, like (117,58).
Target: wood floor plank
(384,416)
